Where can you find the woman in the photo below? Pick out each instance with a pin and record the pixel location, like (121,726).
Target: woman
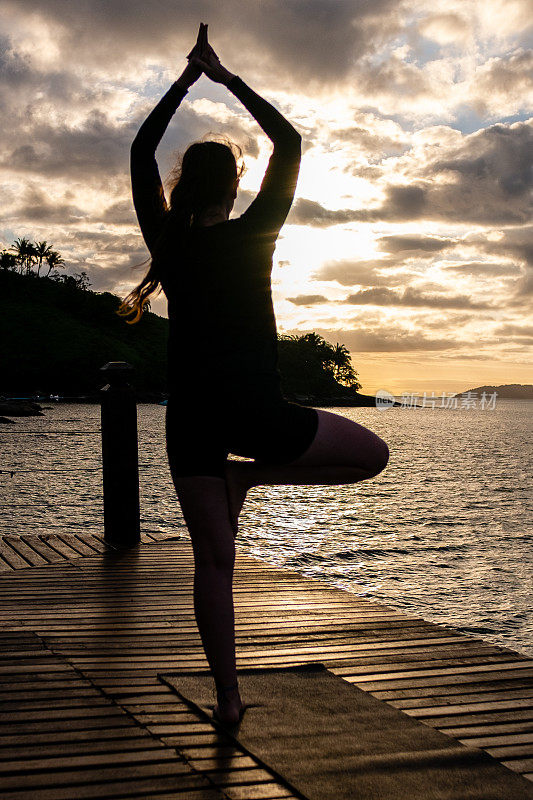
(224,383)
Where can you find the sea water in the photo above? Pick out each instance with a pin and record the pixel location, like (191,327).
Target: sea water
(444,532)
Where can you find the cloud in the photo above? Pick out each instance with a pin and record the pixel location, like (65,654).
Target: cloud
(371,141)
(500,153)
(309,212)
(361,273)
(39,207)
(120,213)
(106,279)
(405,202)
(313,41)
(445,28)
(402,203)
(19,76)
(395,77)
(482,268)
(383,296)
(514,330)
(486,180)
(407,243)
(308,299)
(515,243)
(504,81)
(388,340)
(96,148)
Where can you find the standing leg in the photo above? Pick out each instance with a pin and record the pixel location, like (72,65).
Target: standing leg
(203,500)
(342,452)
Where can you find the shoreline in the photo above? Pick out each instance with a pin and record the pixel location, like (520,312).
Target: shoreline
(36,406)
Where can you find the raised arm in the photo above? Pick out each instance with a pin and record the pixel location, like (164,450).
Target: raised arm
(278,129)
(148,195)
(272,204)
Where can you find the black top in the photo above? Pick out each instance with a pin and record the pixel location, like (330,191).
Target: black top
(222,324)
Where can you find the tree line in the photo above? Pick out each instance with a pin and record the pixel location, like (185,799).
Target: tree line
(28,258)
(311,365)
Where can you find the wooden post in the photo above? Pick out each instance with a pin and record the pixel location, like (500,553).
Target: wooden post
(120,462)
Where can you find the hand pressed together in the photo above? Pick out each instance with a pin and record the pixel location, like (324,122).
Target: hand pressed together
(203,59)
(209,63)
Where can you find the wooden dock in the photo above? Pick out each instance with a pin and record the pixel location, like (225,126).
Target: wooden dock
(86,632)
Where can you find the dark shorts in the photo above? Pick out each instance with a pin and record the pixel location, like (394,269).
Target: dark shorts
(201,432)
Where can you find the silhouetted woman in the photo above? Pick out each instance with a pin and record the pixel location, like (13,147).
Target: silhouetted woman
(224,383)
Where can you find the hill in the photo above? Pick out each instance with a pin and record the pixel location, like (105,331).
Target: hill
(54,337)
(515,391)
(55,334)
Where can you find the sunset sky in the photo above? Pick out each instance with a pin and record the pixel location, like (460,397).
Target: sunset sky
(410,238)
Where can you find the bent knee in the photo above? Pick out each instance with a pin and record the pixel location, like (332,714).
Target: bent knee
(380,458)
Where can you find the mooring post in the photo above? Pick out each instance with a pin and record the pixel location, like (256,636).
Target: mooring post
(120,461)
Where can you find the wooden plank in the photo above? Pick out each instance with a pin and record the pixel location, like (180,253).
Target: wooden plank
(96,542)
(32,556)
(518,732)
(100,616)
(511,751)
(492,741)
(64,549)
(519,764)
(49,554)
(67,737)
(53,703)
(21,552)
(107,746)
(477,718)
(190,789)
(78,544)
(71,762)
(11,557)
(489,677)
(98,709)
(520,689)
(100,775)
(495,705)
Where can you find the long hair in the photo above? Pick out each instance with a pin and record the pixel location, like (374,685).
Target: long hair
(202,178)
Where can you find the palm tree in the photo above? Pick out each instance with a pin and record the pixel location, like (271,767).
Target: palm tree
(341,359)
(42,251)
(24,253)
(314,339)
(54,260)
(344,372)
(7,260)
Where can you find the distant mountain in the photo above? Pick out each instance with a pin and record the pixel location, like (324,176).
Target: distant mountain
(514,391)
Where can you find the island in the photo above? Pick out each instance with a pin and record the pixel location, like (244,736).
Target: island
(507,391)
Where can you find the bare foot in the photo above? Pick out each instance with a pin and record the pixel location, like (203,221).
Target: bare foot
(229,708)
(236,489)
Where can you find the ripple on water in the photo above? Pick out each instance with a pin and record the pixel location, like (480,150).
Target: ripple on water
(444,532)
